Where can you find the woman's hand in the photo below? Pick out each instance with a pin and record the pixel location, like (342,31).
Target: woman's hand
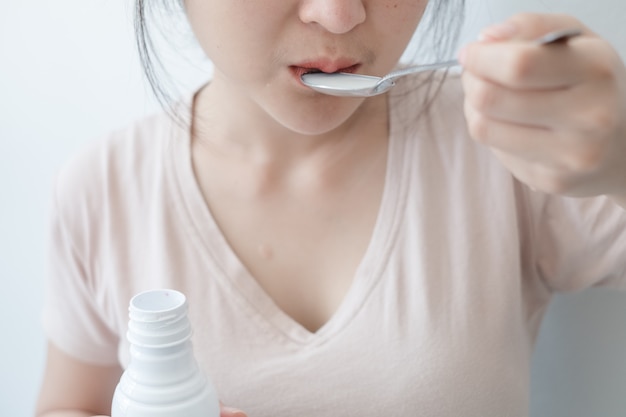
(555,115)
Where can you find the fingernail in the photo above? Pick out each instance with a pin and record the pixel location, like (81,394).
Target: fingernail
(500,31)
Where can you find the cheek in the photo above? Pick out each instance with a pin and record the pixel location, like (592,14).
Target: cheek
(414,13)
(408,10)
(200,15)
(398,21)
(233,30)
(217,39)
(401,17)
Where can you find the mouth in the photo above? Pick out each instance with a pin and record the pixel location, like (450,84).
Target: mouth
(326,67)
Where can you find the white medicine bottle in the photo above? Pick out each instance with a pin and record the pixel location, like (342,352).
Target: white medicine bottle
(163,378)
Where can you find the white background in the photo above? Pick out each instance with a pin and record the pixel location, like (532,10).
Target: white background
(69,73)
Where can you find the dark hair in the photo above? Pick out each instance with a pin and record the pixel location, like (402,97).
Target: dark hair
(440,27)
(153,67)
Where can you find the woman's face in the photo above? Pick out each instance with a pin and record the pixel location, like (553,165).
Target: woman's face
(260,48)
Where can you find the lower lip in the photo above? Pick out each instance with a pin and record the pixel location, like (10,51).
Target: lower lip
(298,72)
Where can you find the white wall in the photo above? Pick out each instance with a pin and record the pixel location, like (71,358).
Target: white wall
(68,73)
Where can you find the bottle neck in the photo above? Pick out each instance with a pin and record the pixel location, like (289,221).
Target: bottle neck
(158,319)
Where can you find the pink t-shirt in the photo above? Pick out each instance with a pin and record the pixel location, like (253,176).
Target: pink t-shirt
(443,310)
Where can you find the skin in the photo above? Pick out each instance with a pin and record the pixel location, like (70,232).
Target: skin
(278,163)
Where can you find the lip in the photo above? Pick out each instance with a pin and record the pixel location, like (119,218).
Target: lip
(324,65)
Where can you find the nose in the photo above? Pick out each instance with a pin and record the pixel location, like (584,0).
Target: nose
(336,16)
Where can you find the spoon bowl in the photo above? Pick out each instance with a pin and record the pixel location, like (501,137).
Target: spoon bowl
(357,85)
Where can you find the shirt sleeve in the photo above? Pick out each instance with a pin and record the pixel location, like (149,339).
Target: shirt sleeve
(72,317)
(580,242)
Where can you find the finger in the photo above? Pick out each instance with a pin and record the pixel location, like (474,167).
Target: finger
(534,144)
(230,412)
(590,110)
(525,65)
(526,142)
(543,178)
(517,61)
(531,26)
(538,108)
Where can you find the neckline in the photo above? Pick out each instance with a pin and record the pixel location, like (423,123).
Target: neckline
(233,276)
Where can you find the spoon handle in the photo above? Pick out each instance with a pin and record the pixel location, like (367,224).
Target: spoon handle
(552,37)
(392,76)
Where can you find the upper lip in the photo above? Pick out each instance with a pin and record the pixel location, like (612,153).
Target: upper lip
(329,65)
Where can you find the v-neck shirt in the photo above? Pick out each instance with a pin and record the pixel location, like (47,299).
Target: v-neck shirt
(443,309)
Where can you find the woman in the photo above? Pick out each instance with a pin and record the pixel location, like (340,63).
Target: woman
(347,256)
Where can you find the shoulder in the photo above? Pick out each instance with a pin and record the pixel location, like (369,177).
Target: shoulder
(114,168)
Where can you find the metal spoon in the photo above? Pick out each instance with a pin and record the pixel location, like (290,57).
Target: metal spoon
(357,85)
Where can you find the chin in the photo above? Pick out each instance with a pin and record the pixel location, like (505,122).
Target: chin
(318,117)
